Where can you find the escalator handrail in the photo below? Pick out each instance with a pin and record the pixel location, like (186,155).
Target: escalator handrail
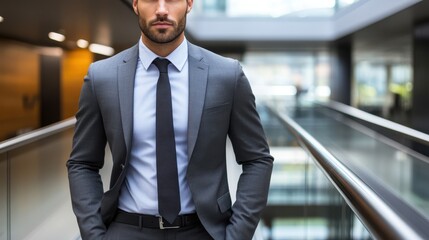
(378,217)
(37,134)
(379,121)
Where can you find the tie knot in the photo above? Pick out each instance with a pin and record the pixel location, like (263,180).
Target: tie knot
(161,64)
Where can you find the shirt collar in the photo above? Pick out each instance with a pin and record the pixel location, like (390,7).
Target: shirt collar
(178,57)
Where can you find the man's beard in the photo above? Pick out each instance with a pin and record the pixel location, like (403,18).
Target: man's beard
(161,36)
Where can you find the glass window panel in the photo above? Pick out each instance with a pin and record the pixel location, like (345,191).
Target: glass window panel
(371,83)
(345,3)
(276,8)
(282,76)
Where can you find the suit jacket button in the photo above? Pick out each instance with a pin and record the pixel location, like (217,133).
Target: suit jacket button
(122,166)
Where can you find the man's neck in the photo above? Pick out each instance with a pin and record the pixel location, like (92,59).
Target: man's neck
(162,49)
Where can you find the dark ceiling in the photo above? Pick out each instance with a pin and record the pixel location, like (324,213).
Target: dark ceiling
(108,22)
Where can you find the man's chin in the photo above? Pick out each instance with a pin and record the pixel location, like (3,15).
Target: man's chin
(163,38)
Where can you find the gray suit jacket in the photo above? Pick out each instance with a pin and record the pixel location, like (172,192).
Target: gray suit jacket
(221,104)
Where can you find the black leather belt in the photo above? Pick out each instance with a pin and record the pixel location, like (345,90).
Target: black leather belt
(150,221)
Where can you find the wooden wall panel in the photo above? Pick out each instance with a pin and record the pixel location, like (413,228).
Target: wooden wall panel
(19,88)
(20,84)
(74,67)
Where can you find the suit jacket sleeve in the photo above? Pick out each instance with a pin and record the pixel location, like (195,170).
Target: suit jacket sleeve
(251,150)
(86,159)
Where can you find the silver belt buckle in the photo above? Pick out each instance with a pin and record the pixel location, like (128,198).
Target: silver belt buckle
(161,224)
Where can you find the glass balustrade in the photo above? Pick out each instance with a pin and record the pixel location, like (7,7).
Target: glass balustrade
(3,196)
(302,202)
(34,192)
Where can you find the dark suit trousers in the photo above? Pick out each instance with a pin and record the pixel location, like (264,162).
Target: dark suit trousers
(121,231)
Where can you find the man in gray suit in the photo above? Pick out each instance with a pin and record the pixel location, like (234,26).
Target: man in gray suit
(210,100)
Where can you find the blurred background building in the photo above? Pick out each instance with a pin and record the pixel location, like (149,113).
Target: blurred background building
(342,88)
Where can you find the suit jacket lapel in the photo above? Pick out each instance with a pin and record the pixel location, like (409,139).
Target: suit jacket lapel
(198,72)
(126,75)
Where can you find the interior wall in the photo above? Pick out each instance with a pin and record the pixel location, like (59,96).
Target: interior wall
(20,80)
(50,81)
(19,88)
(420,111)
(74,67)
(342,72)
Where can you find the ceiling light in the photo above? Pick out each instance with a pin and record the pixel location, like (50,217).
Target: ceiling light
(101,49)
(56,36)
(82,43)
(51,51)
(1,19)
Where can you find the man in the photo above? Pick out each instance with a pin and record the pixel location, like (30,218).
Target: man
(210,100)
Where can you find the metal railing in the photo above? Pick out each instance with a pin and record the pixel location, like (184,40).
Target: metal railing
(377,216)
(36,135)
(46,146)
(33,177)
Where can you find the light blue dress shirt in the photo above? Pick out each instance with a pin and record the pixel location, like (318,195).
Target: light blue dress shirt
(139,193)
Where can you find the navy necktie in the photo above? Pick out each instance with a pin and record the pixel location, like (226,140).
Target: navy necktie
(166,163)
